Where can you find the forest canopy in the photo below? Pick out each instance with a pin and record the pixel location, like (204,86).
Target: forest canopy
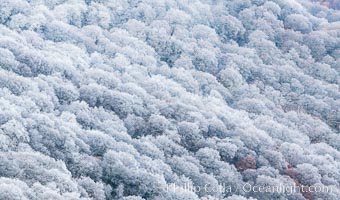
(123,99)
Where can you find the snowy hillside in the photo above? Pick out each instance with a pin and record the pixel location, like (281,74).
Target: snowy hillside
(169,100)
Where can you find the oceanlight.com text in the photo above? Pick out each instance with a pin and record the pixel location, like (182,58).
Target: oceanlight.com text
(248,188)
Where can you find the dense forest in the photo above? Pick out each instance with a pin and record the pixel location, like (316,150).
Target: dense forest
(123,99)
